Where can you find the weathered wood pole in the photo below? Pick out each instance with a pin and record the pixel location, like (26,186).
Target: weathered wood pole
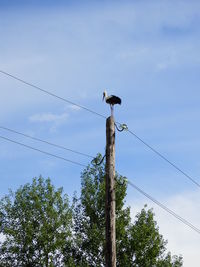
(110,193)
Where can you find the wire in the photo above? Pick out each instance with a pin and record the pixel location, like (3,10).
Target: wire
(46,142)
(164,207)
(100,115)
(130,183)
(52,94)
(165,159)
(42,151)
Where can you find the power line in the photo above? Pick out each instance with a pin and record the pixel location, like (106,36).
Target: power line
(46,142)
(52,94)
(164,207)
(165,159)
(102,116)
(129,182)
(42,151)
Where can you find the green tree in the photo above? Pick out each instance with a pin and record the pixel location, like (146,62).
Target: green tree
(35,222)
(148,245)
(40,228)
(139,244)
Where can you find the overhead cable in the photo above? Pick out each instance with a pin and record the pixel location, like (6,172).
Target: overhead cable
(164,207)
(100,115)
(128,181)
(46,142)
(165,159)
(42,151)
(52,94)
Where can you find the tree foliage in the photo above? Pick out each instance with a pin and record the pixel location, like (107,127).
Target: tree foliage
(148,245)
(40,228)
(35,222)
(139,244)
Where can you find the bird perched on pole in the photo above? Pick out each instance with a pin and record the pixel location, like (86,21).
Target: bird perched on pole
(111,100)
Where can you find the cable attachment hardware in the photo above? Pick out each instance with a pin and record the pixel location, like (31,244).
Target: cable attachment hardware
(122,127)
(125,181)
(95,161)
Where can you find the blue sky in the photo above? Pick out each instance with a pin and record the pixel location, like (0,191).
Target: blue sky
(146,52)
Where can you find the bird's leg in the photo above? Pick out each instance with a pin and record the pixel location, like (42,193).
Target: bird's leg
(111,106)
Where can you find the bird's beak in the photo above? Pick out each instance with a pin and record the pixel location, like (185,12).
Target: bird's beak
(103,97)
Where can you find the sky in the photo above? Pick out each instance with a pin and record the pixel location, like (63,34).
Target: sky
(147,53)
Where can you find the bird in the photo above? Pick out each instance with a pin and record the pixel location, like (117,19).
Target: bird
(111,100)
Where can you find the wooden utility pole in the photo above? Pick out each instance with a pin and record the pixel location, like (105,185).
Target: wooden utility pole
(110,193)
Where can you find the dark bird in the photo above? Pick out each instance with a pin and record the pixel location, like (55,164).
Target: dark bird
(111,100)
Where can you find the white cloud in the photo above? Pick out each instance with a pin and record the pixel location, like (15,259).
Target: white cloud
(181,239)
(49,117)
(54,120)
(83,49)
(74,108)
